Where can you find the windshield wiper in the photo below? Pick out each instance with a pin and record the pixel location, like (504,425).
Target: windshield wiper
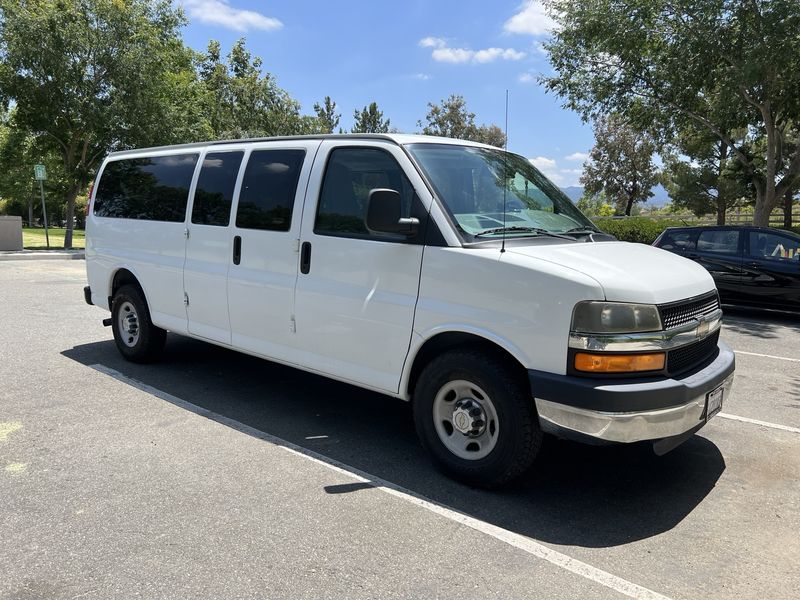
(519,228)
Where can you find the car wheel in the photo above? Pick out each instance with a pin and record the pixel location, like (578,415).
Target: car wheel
(137,339)
(476,418)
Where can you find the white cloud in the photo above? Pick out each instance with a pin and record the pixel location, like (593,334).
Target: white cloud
(443,53)
(422,76)
(578,156)
(526,78)
(531,19)
(561,177)
(220,12)
(432,42)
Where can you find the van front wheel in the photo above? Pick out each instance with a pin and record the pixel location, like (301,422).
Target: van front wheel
(137,339)
(476,418)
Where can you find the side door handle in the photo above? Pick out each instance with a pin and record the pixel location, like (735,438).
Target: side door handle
(237,250)
(305,258)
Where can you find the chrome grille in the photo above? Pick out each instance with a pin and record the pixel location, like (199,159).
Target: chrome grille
(679,313)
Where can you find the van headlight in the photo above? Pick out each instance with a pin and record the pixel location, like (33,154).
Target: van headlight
(615,317)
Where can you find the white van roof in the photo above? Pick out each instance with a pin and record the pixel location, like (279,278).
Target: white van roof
(397,138)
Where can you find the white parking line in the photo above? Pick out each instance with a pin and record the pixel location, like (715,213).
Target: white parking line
(577,567)
(757,422)
(797,360)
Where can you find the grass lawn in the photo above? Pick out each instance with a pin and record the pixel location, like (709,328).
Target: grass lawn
(33,238)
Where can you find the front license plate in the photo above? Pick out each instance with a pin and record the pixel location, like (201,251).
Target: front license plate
(713,402)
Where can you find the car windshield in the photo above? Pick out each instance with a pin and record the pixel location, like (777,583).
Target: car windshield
(491,193)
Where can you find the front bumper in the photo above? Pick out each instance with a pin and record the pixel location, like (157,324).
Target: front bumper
(629,410)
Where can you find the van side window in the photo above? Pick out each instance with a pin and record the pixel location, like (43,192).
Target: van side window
(350,175)
(268,189)
(154,188)
(214,192)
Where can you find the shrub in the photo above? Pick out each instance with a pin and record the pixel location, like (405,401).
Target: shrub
(636,229)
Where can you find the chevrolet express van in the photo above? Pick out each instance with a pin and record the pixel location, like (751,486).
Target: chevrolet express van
(446,273)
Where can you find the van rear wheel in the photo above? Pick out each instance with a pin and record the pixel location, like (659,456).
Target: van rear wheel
(137,339)
(476,418)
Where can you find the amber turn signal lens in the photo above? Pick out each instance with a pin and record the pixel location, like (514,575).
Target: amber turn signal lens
(619,363)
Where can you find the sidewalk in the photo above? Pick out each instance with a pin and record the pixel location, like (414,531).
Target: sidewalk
(59,254)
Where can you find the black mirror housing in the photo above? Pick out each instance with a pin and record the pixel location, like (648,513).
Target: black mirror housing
(384,214)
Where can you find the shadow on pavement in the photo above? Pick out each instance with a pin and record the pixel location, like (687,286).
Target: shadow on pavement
(575,495)
(759,323)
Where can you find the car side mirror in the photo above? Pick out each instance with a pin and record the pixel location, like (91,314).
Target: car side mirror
(384,214)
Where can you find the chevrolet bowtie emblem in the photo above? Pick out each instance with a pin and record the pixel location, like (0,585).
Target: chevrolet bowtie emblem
(702,328)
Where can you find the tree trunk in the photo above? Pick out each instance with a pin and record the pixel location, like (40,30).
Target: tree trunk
(762,210)
(722,200)
(628,206)
(71,196)
(787,209)
(720,209)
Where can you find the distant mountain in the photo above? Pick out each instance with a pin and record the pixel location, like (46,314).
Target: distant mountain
(660,195)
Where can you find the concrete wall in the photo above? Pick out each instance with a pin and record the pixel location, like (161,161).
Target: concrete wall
(10,233)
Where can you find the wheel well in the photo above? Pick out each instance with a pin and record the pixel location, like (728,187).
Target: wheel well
(445,342)
(122,277)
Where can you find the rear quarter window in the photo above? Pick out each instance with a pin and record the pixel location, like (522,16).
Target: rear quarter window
(154,188)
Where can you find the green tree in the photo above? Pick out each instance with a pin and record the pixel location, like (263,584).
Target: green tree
(327,117)
(666,64)
(242,101)
(595,205)
(451,118)
(369,120)
(89,77)
(708,184)
(620,164)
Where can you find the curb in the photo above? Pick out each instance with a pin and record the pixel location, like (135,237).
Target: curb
(43,255)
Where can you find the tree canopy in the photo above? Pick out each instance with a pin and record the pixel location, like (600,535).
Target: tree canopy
(718,65)
(94,79)
(369,120)
(451,118)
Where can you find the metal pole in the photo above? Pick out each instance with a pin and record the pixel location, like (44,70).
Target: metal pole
(44,215)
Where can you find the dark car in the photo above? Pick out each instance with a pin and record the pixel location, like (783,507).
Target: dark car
(752,266)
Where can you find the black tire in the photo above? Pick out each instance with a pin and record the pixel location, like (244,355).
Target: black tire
(518,434)
(147,343)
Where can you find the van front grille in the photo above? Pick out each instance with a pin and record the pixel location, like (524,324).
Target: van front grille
(679,313)
(691,355)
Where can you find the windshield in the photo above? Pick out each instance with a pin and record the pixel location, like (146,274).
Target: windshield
(472,183)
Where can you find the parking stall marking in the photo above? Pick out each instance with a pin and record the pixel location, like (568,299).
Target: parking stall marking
(768,356)
(532,547)
(757,422)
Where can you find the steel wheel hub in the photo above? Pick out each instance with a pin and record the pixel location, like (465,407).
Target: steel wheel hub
(128,321)
(465,419)
(469,417)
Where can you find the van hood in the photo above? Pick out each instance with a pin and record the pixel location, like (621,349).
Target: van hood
(627,272)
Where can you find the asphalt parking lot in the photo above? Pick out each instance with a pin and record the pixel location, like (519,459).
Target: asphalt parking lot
(214,474)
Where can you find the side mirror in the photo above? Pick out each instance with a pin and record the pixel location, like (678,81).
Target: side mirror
(384,214)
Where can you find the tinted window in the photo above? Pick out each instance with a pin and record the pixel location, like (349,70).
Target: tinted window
(678,241)
(723,241)
(214,192)
(349,177)
(268,189)
(154,188)
(772,246)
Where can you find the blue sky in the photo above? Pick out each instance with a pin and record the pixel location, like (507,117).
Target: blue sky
(403,55)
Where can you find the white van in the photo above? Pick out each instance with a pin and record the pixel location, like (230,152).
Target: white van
(446,273)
